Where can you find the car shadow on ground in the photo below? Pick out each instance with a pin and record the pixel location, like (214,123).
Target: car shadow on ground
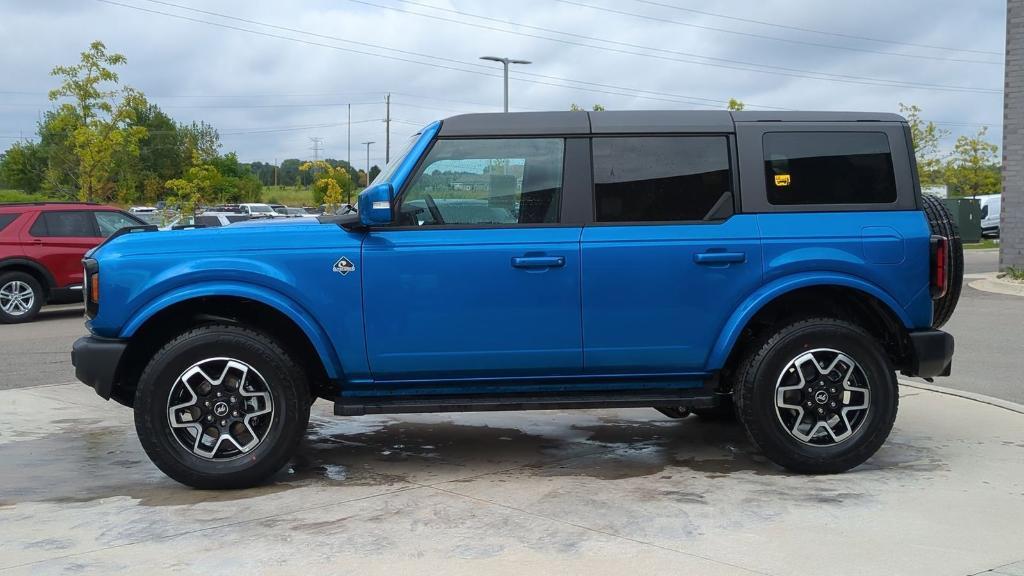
(90,460)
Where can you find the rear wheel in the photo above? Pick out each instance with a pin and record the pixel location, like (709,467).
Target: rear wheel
(21,296)
(819,396)
(221,406)
(940,221)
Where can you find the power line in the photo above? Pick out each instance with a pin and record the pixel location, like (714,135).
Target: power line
(773,38)
(815,31)
(728,63)
(604,40)
(626,91)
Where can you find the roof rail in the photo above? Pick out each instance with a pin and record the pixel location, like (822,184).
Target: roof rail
(45,202)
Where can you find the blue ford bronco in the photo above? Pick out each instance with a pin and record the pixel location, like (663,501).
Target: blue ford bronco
(777,267)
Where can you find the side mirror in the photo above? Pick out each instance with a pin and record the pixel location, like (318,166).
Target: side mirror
(375,205)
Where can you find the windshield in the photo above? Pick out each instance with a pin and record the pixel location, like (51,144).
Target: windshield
(388,170)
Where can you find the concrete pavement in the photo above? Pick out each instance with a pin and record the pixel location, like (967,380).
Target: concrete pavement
(596,492)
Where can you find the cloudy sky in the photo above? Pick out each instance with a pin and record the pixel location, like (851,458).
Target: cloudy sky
(271,75)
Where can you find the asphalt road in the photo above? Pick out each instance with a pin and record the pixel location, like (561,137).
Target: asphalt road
(988,329)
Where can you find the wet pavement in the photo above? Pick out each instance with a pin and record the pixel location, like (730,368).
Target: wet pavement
(597,492)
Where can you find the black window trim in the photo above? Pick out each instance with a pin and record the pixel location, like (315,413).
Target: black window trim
(10,218)
(562,215)
(733,178)
(750,147)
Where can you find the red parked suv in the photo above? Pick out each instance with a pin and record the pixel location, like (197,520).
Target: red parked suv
(41,250)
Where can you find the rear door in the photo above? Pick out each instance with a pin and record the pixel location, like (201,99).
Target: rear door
(479,276)
(665,261)
(59,239)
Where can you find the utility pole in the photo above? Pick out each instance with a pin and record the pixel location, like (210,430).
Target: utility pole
(349,157)
(275,171)
(316,140)
(368,161)
(387,129)
(506,62)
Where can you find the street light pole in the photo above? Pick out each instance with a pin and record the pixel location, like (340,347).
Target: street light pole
(505,62)
(368,161)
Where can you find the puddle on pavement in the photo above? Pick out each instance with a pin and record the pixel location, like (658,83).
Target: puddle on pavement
(85,462)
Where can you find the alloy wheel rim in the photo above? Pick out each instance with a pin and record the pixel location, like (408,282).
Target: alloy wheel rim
(220,409)
(17,298)
(822,397)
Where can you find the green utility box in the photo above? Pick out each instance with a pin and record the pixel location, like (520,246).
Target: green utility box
(967,215)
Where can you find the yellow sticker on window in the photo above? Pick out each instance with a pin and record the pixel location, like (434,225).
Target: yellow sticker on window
(782,179)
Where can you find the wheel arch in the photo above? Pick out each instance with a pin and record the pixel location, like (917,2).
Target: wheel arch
(169,315)
(32,268)
(837,295)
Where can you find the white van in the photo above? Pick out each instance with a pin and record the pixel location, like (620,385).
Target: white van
(990,204)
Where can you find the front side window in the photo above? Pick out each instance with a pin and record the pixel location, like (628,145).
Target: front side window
(660,179)
(110,222)
(828,168)
(64,224)
(486,181)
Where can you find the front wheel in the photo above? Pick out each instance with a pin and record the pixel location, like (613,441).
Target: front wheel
(819,396)
(221,406)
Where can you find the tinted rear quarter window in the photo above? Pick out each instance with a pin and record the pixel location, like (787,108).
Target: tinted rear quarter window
(828,168)
(6,219)
(66,224)
(659,179)
(208,221)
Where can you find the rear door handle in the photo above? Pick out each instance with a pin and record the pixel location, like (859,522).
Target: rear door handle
(719,257)
(538,261)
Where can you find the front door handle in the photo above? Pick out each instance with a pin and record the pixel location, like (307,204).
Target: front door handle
(720,257)
(538,261)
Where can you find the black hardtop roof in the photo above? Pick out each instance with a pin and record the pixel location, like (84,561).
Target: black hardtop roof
(634,121)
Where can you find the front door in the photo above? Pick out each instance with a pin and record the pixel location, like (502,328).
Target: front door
(477,278)
(665,262)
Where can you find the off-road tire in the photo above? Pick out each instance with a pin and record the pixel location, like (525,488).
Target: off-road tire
(37,301)
(940,221)
(284,377)
(759,372)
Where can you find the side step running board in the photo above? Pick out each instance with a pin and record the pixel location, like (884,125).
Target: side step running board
(360,406)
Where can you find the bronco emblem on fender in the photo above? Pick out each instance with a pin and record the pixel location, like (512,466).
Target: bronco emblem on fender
(343,266)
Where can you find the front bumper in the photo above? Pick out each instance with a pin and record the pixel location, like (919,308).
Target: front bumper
(932,354)
(96,361)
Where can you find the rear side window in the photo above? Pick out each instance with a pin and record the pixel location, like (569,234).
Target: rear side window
(78,224)
(660,179)
(208,221)
(6,219)
(828,168)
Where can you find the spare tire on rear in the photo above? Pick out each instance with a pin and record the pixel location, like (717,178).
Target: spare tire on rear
(941,223)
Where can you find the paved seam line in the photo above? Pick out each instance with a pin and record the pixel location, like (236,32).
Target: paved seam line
(973,396)
(597,531)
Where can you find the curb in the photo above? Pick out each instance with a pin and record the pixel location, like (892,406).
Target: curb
(983,399)
(989,282)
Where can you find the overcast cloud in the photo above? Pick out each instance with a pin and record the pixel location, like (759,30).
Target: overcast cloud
(267,95)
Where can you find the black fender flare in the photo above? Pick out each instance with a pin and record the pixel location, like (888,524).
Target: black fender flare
(17,261)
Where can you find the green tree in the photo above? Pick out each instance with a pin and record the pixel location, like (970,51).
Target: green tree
(574,107)
(105,134)
(735,105)
(970,170)
(331,184)
(926,137)
(195,188)
(22,166)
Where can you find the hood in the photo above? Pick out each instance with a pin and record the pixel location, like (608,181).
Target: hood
(248,236)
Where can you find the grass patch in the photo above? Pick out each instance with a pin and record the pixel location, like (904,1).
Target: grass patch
(19,196)
(288,195)
(985,243)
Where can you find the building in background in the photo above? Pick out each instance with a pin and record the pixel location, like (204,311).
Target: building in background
(1011,226)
